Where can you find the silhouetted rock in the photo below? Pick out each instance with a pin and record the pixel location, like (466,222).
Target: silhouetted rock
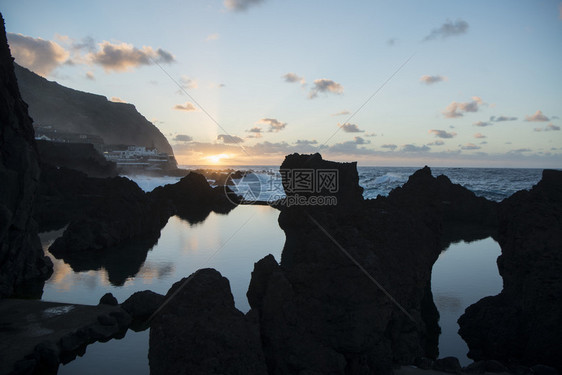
(310,175)
(108,299)
(75,111)
(448,364)
(141,305)
(524,322)
(319,312)
(82,157)
(199,331)
(123,212)
(21,256)
(192,198)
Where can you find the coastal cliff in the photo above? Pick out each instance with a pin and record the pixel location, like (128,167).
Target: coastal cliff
(21,255)
(68,110)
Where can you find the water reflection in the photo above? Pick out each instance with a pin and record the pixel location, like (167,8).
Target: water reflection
(230,243)
(462,275)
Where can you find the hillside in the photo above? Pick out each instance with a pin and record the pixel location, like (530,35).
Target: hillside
(75,111)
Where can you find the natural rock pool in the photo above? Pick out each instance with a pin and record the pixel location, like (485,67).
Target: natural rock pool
(464,273)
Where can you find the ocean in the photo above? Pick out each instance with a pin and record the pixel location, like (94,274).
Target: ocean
(463,274)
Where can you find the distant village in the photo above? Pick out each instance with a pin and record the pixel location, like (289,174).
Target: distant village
(131,158)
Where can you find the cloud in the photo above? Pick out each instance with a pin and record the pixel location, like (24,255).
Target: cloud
(292,78)
(470,146)
(391,42)
(115,99)
(479,135)
(350,128)
(391,147)
(436,143)
(90,76)
(342,113)
(442,133)
(370,134)
(187,83)
(448,29)
(455,109)
(325,86)
(214,36)
(240,5)
(482,123)
(537,117)
(414,148)
(548,128)
(520,150)
(428,80)
(256,132)
(274,124)
(360,141)
(183,138)
(124,56)
(229,139)
(502,118)
(306,142)
(39,55)
(188,107)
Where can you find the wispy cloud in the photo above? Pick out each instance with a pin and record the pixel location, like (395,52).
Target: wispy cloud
(470,146)
(479,135)
(350,128)
(229,139)
(436,143)
(240,5)
(391,42)
(482,123)
(442,133)
(306,142)
(428,80)
(188,83)
(256,132)
(389,146)
(90,75)
(292,78)
(456,109)
(448,29)
(274,124)
(40,55)
(548,128)
(537,117)
(183,138)
(188,107)
(414,148)
(342,113)
(325,86)
(213,36)
(502,118)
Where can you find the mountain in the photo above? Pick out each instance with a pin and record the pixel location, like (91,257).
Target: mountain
(73,111)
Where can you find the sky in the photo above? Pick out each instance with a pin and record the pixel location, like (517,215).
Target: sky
(384,83)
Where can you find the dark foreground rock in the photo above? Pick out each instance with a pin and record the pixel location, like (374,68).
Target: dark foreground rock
(523,324)
(318,310)
(193,199)
(82,157)
(21,256)
(37,336)
(200,332)
(141,306)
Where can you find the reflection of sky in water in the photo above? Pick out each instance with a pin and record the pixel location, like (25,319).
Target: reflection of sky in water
(230,243)
(463,274)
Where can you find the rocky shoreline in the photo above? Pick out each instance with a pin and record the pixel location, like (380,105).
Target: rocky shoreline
(351,295)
